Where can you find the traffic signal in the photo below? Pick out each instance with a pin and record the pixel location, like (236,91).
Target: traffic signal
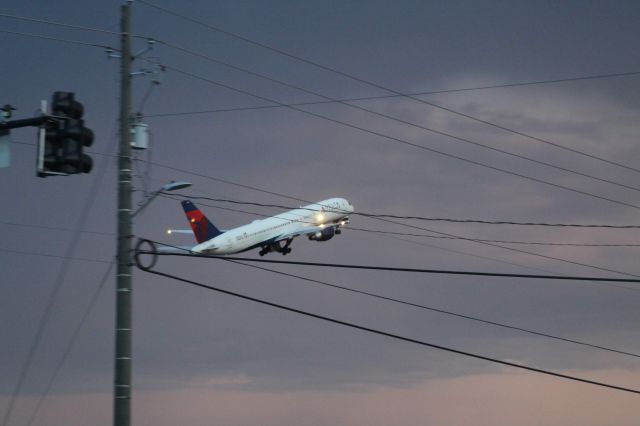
(63,137)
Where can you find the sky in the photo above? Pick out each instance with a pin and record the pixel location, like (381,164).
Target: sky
(529,153)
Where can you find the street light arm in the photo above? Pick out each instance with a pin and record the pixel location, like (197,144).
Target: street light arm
(171,186)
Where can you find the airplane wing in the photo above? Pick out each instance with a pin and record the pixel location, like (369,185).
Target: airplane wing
(318,233)
(302,230)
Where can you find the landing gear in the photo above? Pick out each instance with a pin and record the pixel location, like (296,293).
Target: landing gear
(284,249)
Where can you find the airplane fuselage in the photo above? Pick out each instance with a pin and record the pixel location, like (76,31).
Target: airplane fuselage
(310,220)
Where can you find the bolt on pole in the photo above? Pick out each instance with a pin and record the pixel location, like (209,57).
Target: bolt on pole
(123,337)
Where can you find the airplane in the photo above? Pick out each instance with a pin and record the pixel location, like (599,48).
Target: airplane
(319,222)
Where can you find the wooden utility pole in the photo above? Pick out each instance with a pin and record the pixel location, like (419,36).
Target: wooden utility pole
(122,373)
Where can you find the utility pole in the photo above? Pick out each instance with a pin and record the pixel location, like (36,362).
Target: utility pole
(122,373)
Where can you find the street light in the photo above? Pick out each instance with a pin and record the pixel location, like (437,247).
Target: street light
(171,186)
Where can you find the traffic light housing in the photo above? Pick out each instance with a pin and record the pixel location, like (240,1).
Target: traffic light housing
(63,138)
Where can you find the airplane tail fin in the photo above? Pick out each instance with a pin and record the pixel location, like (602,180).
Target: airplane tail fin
(202,228)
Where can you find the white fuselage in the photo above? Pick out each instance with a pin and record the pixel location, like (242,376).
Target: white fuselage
(292,223)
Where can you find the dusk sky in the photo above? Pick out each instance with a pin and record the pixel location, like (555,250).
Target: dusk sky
(562,150)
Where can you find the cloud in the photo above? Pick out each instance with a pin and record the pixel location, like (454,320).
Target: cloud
(225,351)
(501,398)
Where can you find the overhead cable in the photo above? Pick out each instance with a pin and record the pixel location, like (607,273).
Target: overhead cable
(422,218)
(392,335)
(409,225)
(377,231)
(372,84)
(53,295)
(433,309)
(406,224)
(353,228)
(56,256)
(70,26)
(187,253)
(399,120)
(53,228)
(367,98)
(57,24)
(449,250)
(403,141)
(529,243)
(74,337)
(77,42)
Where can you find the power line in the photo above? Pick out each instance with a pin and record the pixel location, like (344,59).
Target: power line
(376,231)
(430,308)
(534,243)
(391,335)
(543,256)
(70,26)
(330,100)
(615,201)
(546,271)
(372,215)
(488,242)
(407,225)
(404,240)
(400,223)
(31,253)
(422,218)
(502,222)
(57,24)
(53,296)
(376,85)
(390,221)
(52,228)
(226,181)
(453,237)
(188,253)
(388,235)
(71,343)
(404,142)
(526,83)
(367,98)
(81,43)
(402,121)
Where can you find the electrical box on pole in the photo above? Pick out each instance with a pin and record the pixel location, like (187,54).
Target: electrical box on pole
(139,135)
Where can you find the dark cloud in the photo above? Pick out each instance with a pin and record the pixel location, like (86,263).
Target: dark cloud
(189,338)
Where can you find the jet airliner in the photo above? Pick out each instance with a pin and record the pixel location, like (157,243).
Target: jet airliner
(319,221)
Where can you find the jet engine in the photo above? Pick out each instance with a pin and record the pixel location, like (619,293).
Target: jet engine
(323,235)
